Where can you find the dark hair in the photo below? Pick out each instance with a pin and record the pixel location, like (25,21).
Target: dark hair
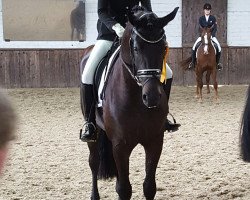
(207,6)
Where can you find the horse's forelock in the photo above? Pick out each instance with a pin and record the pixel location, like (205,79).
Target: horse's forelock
(146,23)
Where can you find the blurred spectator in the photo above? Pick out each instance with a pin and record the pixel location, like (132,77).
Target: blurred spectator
(7,126)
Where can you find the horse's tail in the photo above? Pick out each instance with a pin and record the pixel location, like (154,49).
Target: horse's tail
(184,63)
(107,167)
(245,131)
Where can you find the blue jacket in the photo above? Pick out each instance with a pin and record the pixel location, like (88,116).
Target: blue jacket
(211,21)
(111,12)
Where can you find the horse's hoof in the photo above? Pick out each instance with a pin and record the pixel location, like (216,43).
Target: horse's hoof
(217,101)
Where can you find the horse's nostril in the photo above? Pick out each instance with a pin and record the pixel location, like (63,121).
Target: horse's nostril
(144,97)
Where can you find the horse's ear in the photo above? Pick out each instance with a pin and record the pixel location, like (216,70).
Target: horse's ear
(201,29)
(163,21)
(211,28)
(131,17)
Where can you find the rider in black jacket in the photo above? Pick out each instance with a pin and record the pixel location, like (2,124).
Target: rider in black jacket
(207,20)
(113,12)
(111,23)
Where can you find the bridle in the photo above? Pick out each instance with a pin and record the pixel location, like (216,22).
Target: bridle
(205,41)
(143,73)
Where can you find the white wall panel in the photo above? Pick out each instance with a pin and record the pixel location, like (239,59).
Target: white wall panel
(238,23)
(237,30)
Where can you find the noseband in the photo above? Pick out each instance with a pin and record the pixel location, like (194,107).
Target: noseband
(143,73)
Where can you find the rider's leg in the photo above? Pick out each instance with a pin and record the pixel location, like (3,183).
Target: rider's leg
(219,65)
(167,89)
(192,64)
(99,51)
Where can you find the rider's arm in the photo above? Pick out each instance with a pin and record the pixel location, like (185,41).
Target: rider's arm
(201,24)
(103,14)
(146,4)
(214,26)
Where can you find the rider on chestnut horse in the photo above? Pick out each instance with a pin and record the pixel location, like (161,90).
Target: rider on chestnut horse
(209,21)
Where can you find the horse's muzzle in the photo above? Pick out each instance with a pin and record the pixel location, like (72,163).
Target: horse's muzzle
(152,93)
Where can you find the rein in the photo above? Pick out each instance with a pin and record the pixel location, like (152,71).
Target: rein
(144,73)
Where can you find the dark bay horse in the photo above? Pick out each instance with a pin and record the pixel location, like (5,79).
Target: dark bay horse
(134,106)
(77,22)
(206,62)
(245,130)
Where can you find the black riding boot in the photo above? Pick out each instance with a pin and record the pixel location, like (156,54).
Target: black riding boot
(88,108)
(170,126)
(219,65)
(192,64)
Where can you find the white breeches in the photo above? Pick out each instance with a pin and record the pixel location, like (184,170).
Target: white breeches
(196,42)
(99,51)
(169,72)
(218,44)
(213,38)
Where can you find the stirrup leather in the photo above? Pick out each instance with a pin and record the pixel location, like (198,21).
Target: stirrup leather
(171,127)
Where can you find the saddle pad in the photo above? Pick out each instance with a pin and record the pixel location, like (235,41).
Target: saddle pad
(104,77)
(199,45)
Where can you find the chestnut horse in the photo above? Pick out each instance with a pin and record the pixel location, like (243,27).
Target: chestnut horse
(134,107)
(245,130)
(206,62)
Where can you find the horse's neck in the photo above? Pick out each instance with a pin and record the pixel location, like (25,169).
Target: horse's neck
(124,74)
(209,45)
(125,46)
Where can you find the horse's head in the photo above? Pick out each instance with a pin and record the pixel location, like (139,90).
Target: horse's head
(206,34)
(143,50)
(206,37)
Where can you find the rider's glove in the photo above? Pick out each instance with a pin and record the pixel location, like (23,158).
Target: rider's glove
(119,30)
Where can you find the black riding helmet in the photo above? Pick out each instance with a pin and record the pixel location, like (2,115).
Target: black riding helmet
(207,6)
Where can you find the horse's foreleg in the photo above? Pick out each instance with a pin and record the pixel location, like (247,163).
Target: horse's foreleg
(72,34)
(153,153)
(94,161)
(123,186)
(208,81)
(197,91)
(214,74)
(199,86)
(78,36)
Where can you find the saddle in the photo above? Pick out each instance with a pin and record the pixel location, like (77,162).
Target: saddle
(213,43)
(103,70)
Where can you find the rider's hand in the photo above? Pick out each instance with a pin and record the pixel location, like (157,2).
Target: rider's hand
(119,30)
